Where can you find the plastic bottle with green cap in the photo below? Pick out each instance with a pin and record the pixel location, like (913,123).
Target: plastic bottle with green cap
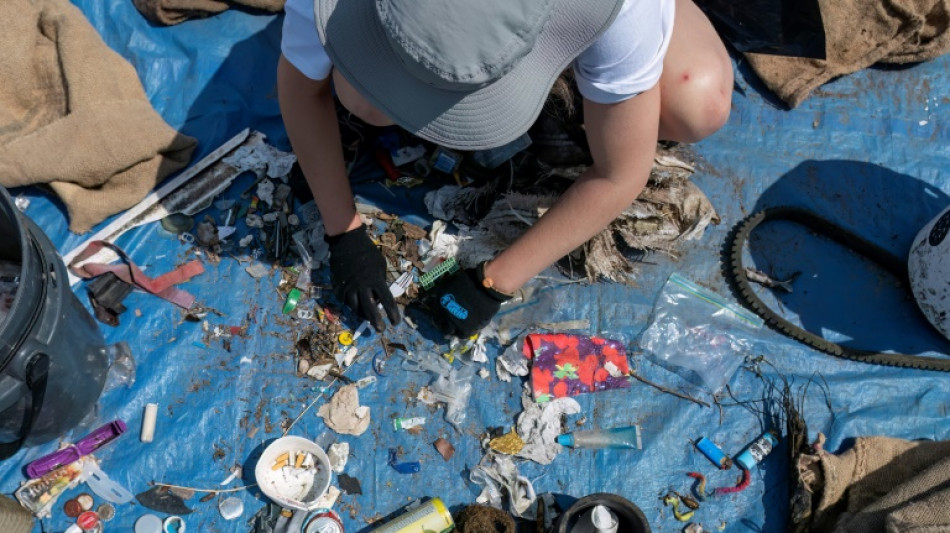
(624,437)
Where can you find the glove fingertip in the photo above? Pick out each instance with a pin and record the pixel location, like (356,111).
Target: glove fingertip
(392,310)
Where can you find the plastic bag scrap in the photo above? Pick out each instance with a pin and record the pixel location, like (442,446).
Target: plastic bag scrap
(511,362)
(262,159)
(452,386)
(496,472)
(309,241)
(698,334)
(457,387)
(121,366)
(540,424)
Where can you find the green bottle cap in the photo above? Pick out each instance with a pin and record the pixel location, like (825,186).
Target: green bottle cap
(292,298)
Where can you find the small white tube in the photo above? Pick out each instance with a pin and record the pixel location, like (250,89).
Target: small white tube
(148,422)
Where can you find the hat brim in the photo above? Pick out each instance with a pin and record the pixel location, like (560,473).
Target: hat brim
(491,116)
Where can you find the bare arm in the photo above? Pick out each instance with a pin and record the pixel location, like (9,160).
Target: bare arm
(622,139)
(310,118)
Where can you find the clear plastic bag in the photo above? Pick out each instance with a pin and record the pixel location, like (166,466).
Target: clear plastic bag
(121,366)
(698,334)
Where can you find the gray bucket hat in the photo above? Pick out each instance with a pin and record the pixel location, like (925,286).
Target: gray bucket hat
(465,74)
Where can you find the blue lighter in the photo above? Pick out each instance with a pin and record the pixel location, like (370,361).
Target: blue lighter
(713,453)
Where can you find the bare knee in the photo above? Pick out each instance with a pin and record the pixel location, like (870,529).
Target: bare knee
(695,103)
(696,85)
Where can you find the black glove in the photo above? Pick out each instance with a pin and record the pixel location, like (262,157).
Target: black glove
(358,274)
(462,305)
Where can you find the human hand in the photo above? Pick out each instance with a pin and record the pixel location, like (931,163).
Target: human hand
(462,306)
(358,275)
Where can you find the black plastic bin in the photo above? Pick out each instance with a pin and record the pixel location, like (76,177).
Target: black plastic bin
(53,361)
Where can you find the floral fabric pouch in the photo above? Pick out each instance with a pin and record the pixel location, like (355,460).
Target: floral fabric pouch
(568,365)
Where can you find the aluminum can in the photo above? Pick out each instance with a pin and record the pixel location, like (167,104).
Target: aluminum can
(324,522)
(430,517)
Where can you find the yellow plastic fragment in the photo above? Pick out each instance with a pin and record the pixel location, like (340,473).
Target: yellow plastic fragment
(508,444)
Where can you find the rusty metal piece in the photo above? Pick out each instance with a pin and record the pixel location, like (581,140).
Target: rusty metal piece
(445,448)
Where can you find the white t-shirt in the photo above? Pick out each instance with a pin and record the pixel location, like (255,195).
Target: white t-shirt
(623,62)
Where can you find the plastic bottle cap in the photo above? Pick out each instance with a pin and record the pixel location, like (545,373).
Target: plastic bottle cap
(72,508)
(87,520)
(148,524)
(106,512)
(292,298)
(566,439)
(346,338)
(85,501)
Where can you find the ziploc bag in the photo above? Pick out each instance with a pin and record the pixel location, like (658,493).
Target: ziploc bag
(697,334)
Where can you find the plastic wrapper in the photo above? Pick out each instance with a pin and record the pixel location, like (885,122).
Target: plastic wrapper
(697,334)
(39,496)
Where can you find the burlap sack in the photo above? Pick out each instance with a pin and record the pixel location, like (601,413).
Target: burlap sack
(73,115)
(13,517)
(858,34)
(171,12)
(883,485)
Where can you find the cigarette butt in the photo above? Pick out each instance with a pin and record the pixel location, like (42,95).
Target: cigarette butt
(285,457)
(300,457)
(279,464)
(148,422)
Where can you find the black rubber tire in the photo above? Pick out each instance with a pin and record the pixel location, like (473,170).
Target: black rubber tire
(747,296)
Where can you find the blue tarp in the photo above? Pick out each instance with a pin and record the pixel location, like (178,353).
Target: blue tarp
(869,151)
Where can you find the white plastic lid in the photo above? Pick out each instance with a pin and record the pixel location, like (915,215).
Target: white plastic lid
(148,524)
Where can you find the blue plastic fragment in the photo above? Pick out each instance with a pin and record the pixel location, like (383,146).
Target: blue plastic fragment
(411,467)
(407,468)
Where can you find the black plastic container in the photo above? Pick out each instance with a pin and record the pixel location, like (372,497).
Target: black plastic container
(629,516)
(53,362)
